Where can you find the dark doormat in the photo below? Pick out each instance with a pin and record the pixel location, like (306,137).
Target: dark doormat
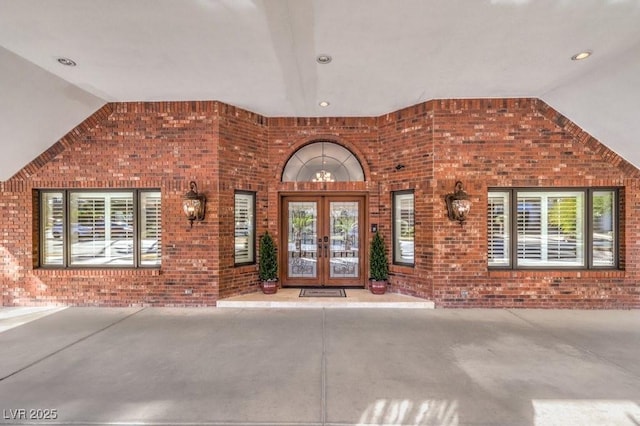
(323,292)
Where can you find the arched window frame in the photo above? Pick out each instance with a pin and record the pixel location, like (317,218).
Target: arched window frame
(323,161)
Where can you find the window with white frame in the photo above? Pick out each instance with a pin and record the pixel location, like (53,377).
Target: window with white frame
(245,237)
(403,228)
(97,228)
(549,228)
(498,211)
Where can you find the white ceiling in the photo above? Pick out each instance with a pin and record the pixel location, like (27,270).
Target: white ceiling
(260,55)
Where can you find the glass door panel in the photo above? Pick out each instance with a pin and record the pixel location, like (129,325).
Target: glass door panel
(302,232)
(322,240)
(344,250)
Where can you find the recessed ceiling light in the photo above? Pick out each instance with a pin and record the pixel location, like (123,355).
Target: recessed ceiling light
(323,104)
(67,62)
(323,59)
(582,55)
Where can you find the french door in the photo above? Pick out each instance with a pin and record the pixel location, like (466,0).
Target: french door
(323,242)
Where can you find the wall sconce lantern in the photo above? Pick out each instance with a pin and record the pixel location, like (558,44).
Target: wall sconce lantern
(458,204)
(194,204)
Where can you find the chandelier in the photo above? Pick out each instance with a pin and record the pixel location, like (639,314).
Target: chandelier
(323,176)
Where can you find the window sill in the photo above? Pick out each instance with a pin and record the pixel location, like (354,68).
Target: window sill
(555,273)
(96,271)
(397,268)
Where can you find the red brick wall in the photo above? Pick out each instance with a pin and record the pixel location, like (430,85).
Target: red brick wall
(521,143)
(406,138)
(129,145)
(244,165)
(484,143)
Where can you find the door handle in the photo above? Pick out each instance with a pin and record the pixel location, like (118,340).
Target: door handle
(326,251)
(319,250)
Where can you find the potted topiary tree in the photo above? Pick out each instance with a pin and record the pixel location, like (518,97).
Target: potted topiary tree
(378,266)
(268,265)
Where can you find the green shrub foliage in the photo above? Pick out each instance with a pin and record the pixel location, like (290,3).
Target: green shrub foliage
(268,266)
(378,264)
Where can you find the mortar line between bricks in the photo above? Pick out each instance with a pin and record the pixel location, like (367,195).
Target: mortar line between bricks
(576,345)
(82,339)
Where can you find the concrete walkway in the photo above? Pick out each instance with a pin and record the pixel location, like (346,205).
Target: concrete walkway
(11,317)
(329,366)
(355,298)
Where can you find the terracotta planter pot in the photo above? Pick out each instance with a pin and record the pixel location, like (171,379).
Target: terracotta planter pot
(378,287)
(269,287)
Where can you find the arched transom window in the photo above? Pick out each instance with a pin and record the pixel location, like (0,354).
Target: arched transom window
(323,162)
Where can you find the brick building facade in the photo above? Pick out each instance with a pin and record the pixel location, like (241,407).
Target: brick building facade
(426,148)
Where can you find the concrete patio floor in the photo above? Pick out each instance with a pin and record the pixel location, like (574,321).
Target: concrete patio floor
(326,366)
